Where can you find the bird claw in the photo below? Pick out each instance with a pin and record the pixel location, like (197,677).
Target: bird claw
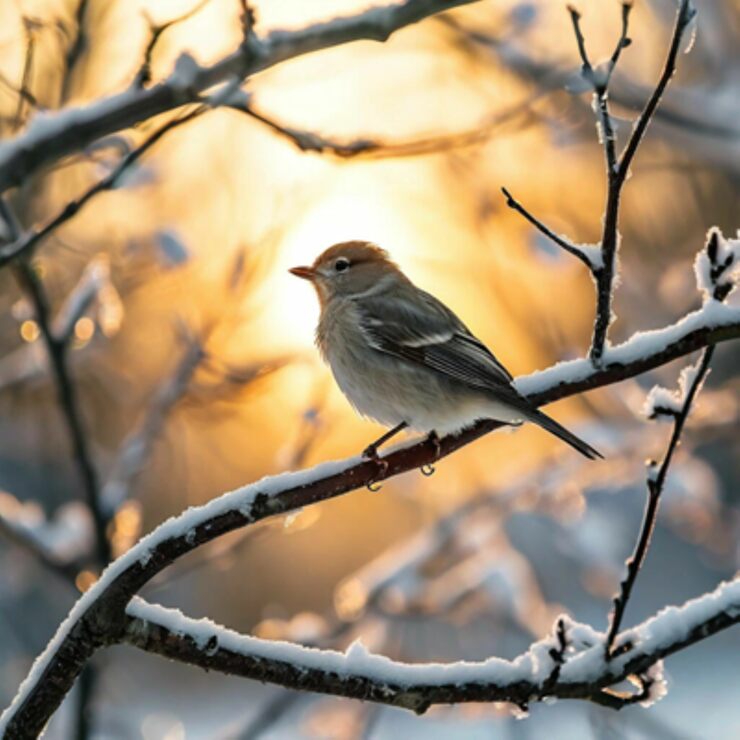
(428,469)
(371,453)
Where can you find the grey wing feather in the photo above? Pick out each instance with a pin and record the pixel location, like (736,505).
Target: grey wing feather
(416,327)
(422,330)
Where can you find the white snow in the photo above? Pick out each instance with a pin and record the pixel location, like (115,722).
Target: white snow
(592,252)
(641,345)
(728,250)
(356,661)
(661,400)
(185,74)
(48,126)
(584,657)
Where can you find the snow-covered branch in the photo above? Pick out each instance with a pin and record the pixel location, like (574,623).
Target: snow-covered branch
(98,617)
(585,673)
(51,136)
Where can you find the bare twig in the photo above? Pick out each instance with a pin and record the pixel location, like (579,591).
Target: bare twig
(144,74)
(56,348)
(29,28)
(561,241)
(655,483)
(309,141)
(684,17)
(68,402)
(76,48)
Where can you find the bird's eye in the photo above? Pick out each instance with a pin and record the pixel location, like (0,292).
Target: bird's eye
(341,264)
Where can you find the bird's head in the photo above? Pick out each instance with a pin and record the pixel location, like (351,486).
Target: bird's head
(350,269)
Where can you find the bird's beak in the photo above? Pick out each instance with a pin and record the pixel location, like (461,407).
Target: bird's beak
(307,273)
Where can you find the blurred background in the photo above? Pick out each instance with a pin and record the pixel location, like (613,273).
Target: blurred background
(191,353)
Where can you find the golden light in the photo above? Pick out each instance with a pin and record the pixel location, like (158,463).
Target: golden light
(85,579)
(29,331)
(84,330)
(346,213)
(350,599)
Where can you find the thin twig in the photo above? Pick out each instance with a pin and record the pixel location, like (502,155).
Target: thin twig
(309,141)
(56,348)
(655,484)
(144,74)
(684,16)
(29,29)
(549,233)
(76,48)
(26,242)
(68,402)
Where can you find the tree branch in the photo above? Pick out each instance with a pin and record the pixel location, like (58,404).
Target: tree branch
(73,129)
(98,617)
(56,348)
(358,674)
(309,141)
(69,403)
(144,74)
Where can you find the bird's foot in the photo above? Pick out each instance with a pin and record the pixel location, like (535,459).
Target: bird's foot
(371,453)
(428,469)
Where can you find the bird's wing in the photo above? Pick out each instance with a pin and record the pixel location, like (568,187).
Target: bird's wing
(420,329)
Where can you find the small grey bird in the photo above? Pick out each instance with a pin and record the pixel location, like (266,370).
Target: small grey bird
(403,358)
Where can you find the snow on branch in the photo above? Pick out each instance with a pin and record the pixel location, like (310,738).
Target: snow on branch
(584,671)
(51,136)
(98,617)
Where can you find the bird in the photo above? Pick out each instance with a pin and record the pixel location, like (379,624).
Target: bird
(403,358)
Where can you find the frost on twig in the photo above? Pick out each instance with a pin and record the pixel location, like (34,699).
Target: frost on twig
(662,403)
(717,266)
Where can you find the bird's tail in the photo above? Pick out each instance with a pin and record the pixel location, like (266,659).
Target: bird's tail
(550,425)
